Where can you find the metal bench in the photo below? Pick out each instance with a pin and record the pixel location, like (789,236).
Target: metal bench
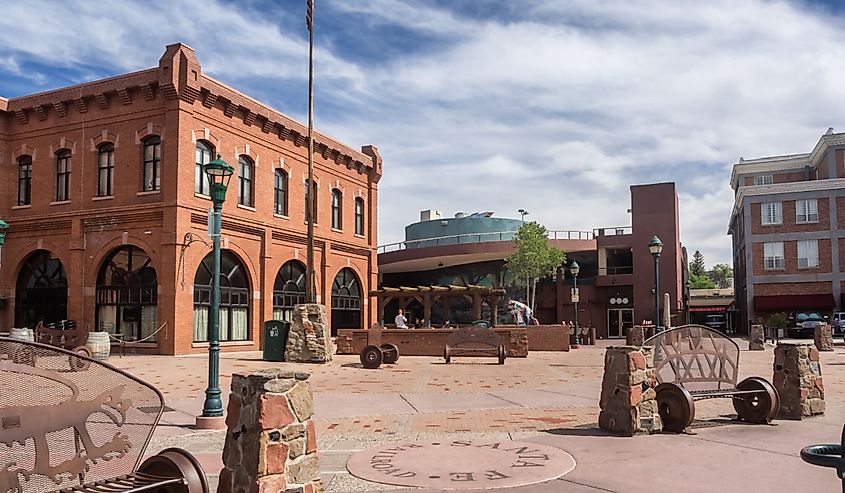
(474,341)
(67,336)
(82,431)
(375,353)
(693,362)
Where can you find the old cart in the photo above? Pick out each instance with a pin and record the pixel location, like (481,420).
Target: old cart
(82,431)
(475,341)
(693,362)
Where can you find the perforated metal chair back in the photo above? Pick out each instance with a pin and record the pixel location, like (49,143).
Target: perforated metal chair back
(66,419)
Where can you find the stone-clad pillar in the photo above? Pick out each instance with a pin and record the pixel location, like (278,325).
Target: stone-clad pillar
(309,339)
(823,337)
(271,446)
(628,400)
(635,336)
(798,380)
(755,338)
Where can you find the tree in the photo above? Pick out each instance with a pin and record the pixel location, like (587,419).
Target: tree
(696,267)
(533,258)
(721,275)
(697,281)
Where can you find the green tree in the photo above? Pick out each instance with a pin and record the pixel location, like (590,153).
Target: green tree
(533,258)
(700,282)
(721,275)
(696,267)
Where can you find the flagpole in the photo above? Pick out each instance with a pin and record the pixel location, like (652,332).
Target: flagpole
(309,267)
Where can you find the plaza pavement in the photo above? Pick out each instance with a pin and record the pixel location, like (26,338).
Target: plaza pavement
(549,398)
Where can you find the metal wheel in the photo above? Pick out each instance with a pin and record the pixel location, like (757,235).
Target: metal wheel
(391,353)
(177,463)
(760,407)
(25,355)
(371,357)
(79,364)
(676,407)
(447,354)
(502,355)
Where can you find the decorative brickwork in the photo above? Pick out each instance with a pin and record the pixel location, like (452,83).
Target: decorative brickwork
(798,380)
(823,337)
(271,443)
(309,340)
(628,400)
(755,338)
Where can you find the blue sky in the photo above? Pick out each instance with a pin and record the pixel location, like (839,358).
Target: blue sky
(548,105)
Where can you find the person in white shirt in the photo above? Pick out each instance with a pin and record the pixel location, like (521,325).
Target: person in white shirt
(401,321)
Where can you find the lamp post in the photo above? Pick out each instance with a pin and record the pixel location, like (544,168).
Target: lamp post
(3,227)
(523,213)
(219,173)
(655,246)
(574,269)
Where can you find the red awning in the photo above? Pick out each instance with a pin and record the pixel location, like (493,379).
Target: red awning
(708,308)
(795,302)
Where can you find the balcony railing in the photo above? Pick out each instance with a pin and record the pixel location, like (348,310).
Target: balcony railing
(478,238)
(614,231)
(614,271)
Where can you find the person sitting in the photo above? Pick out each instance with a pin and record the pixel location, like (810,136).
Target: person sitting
(400,320)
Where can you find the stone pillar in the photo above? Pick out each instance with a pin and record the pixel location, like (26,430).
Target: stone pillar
(271,446)
(755,338)
(309,340)
(628,400)
(823,336)
(798,380)
(635,336)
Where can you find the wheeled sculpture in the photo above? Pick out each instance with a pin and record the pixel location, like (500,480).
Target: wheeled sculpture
(375,353)
(474,341)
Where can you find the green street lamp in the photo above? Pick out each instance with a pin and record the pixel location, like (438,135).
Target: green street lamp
(3,227)
(655,246)
(218,173)
(574,269)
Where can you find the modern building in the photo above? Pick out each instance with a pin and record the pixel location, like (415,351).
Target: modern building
(616,280)
(787,228)
(104,191)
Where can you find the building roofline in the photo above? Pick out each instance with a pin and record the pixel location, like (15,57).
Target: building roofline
(778,188)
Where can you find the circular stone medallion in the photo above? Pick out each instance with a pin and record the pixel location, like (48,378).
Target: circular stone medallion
(460,464)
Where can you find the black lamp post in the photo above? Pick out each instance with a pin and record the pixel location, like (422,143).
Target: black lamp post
(655,246)
(219,173)
(574,269)
(523,213)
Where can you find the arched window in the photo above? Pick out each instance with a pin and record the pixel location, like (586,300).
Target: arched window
(127,294)
(105,170)
(41,291)
(359,216)
(151,180)
(337,209)
(245,173)
(204,152)
(288,290)
(63,175)
(280,192)
(346,301)
(313,204)
(234,298)
(24,180)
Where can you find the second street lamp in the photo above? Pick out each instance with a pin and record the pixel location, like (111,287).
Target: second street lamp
(574,269)
(655,246)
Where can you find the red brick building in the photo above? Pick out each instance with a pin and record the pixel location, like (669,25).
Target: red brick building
(103,189)
(788,230)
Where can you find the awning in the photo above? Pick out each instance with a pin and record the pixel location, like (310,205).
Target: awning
(795,302)
(715,309)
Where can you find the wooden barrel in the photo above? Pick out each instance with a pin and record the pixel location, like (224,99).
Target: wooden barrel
(100,345)
(21,334)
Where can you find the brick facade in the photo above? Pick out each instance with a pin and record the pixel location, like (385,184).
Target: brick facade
(178,104)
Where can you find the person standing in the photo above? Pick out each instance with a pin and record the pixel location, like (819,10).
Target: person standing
(400,320)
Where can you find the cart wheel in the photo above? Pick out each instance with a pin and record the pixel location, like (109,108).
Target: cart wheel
(77,363)
(676,407)
(177,463)
(761,407)
(371,357)
(25,355)
(502,355)
(391,353)
(447,354)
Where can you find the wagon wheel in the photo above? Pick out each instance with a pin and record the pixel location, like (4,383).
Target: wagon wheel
(371,357)
(79,364)
(391,353)
(676,407)
(177,463)
(760,407)
(502,355)
(25,355)
(447,354)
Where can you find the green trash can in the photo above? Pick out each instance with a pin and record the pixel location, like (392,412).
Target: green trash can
(275,339)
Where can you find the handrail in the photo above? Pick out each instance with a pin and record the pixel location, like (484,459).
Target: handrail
(477,238)
(613,231)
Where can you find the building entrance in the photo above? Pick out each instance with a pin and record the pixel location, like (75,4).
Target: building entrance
(41,291)
(619,320)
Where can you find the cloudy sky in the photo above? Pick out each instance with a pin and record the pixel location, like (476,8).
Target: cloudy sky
(554,106)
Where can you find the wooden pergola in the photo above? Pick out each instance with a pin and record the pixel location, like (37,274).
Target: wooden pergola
(427,296)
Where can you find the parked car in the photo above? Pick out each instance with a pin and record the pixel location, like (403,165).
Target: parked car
(838,323)
(717,321)
(805,323)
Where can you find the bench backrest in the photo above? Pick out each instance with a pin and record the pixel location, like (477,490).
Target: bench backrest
(474,337)
(66,419)
(63,338)
(696,357)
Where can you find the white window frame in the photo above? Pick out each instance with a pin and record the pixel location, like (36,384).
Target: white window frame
(807,211)
(808,254)
(773,255)
(771,213)
(763,179)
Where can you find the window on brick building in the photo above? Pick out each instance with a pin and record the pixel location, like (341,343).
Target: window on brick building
(62,175)
(235,297)
(808,253)
(773,255)
(763,180)
(105,170)
(807,211)
(24,180)
(280,192)
(246,171)
(337,209)
(313,204)
(771,213)
(359,216)
(203,157)
(152,159)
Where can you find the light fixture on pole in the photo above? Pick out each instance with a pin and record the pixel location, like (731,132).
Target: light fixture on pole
(655,246)
(218,173)
(3,227)
(523,212)
(574,269)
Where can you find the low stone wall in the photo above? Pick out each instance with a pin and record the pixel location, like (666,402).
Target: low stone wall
(271,445)
(798,380)
(426,342)
(823,337)
(628,401)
